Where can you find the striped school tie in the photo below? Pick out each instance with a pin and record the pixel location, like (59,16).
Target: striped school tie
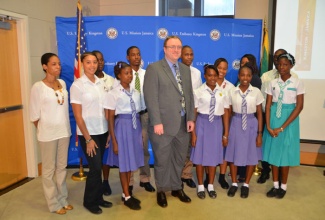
(212,105)
(134,119)
(180,86)
(244,111)
(279,104)
(137,82)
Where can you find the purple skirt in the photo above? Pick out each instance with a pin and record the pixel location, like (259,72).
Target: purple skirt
(130,144)
(208,150)
(242,149)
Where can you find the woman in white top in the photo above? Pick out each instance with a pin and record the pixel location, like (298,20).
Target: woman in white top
(49,111)
(87,94)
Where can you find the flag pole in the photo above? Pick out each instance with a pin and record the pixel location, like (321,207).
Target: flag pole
(81,175)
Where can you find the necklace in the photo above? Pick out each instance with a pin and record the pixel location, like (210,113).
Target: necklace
(58,94)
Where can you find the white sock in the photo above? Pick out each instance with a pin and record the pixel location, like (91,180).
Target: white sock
(284,187)
(127,198)
(200,188)
(210,187)
(123,195)
(245,184)
(276,184)
(234,184)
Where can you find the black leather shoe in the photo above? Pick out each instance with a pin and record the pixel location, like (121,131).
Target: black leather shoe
(262,179)
(132,204)
(147,186)
(212,194)
(161,199)
(223,183)
(272,193)
(105,204)
(281,193)
(189,182)
(94,209)
(201,195)
(181,195)
(244,192)
(138,201)
(232,191)
(106,188)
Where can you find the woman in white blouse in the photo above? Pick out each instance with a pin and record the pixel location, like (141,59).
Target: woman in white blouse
(49,112)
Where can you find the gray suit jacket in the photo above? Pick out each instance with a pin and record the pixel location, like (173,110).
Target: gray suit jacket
(163,98)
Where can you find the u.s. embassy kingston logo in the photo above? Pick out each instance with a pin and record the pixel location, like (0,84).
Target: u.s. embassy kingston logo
(111,33)
(236,64)
(162,33)
(214,34)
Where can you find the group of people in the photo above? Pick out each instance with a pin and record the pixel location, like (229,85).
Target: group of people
(188,122)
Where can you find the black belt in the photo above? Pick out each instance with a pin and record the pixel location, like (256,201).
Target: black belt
(143,112)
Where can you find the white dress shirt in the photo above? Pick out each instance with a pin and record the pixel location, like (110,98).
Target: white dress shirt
(253,99)
(290,92)
(202,99)
(90,96)
(196,77)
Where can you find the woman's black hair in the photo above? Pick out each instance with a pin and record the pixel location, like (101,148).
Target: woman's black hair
(46,58)
(209,66)
(289,57)
(118,67)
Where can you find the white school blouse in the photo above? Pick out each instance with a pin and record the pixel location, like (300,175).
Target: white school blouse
(118,100)
(290,92)
(53,118)
(202,99)
(253,99)
(90,96)
(108,80)
(225,87)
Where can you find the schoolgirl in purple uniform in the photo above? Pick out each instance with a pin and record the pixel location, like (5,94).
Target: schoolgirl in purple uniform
(122,106)
(245,134)
(211,132)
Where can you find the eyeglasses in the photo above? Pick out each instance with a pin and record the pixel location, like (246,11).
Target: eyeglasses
(174,47)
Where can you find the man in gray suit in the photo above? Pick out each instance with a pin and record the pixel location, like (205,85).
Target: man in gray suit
(169,99)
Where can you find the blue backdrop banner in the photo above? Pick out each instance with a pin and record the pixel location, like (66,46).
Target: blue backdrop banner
(210,38)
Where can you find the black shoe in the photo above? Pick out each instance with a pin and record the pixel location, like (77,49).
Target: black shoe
(223,183)
(212,194)
(123,199)
(161,199)
(147,186)
(201,195)
(281,193)
(94,209)
(232,191)
(262,179)
(244,192)
(272,193)
(181,195)
(106,188)
(105,204)
(189,182)
(132,204)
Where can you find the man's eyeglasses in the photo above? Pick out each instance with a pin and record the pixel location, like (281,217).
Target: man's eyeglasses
(174,47)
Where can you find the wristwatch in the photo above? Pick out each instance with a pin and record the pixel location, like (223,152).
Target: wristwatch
(87,141)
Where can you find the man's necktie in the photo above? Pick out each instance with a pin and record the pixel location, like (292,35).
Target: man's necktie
(212,105)
(137,82)
(180,86)
(134,119)
(244,111)
(279,104)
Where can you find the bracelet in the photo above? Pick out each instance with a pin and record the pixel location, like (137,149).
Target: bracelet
(224,137)
(259,132)
(281,129)
(87,141)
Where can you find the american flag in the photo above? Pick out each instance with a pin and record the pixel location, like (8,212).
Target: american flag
(81,42)
(80,49)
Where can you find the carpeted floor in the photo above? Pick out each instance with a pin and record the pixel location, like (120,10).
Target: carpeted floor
(304,200)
